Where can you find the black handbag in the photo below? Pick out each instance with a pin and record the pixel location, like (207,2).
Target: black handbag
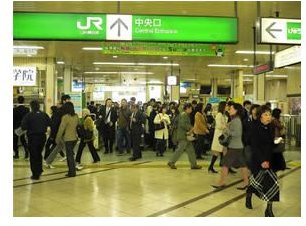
(279,148)
(224,140)
(159,126)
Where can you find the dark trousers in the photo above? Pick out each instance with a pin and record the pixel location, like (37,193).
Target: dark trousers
(70,157)
(124,139)
(36,146)
(160,146)
(91,148)
(24,144)
(136,140)
(152,139)
(108,138)
(199,145)
(50,145)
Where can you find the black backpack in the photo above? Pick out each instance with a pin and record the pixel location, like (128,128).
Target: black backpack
(83,133)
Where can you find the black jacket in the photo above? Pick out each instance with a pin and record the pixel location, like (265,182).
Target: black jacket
(101,117)
(262,145)
(18,114)
(56,121)
(36,123)
(136,127)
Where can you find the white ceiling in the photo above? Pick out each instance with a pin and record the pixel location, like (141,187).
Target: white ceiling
(191,67)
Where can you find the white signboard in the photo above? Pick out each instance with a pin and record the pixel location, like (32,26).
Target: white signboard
(282,31)
(288,56)
(76,99)
(118,27)
(172,80)
(24,76)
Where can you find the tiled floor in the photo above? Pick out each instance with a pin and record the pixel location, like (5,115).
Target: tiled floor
(119,188)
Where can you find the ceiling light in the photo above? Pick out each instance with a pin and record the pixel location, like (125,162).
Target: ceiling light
(28,47)
(165,57)
(92,48)
(228,65)
(245,59)
(277,76)
(115,57)
(247,75)
(135,64)
(120,72)
(252,52)
(29,55)
(60,62)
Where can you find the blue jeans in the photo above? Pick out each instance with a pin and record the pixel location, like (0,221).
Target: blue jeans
(124,139)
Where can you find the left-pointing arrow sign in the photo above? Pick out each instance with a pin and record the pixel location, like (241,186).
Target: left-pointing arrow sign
(119,22)
(269,29)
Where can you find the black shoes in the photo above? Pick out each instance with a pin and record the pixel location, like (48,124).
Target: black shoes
(219,187)
(200,158)
(212,170)
(196,167)
(248,201)
(67,175)
(171,165)
(269,213)
(35,177)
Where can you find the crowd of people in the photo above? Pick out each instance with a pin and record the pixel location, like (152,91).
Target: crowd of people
(249,137)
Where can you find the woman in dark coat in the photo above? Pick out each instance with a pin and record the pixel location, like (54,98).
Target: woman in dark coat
(263,181)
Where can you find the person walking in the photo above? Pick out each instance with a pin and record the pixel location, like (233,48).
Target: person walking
(19,113)
(264,165)
(200,130)
(220,125)
(136,125)
(162,134)
(124,136)
(36,123)
(173,127)
(184,128)
(234,155)
(106,125)
(68,134)
(87,140)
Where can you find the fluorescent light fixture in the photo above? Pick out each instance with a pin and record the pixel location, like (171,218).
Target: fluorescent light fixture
(60,62)
(248,80)
(92,48)
(120,72)
(135,64)
(248,75)
(189,79)
(115,57)
(277,76)
(252,52)
(229,65)
(165,57)
(28,47)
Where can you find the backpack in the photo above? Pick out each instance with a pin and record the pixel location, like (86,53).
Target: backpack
(83,133)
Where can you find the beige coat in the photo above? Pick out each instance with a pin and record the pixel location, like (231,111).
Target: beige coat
(163,133)
(221,122)
(67,129)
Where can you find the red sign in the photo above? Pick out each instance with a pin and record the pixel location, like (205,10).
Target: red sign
(259,69)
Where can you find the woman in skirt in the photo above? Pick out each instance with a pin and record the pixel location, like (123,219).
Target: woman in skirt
(263,181)
(234,155)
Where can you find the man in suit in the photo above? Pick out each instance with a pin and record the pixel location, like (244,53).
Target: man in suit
(136,124)
(107,118)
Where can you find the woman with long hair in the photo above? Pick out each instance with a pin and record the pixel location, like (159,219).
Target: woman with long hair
(220,125)
(67,132)
(234,155)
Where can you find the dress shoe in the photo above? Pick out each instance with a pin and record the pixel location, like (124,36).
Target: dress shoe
(67,175)
(196,167)
(200,158)
(212,170)
(132,159)
(269,213)
(230,170)
(171,165)
(242,188)
(35,177)
(218,186)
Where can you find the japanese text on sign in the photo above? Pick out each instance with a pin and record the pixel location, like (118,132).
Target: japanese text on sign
(24,76)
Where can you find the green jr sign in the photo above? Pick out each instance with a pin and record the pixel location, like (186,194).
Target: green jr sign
(60,26)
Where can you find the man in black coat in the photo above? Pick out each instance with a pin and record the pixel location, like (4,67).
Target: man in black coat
(18,114)
(136,124)
(107,118)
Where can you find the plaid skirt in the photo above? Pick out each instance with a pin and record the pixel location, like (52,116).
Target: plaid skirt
(265,185)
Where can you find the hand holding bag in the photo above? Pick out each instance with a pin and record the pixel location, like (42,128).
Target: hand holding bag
(159,126)
(224,139)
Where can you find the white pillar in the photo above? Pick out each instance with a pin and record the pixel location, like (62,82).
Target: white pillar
(175,93)
(214,84)
(50,84)
(67,79)
(261,88)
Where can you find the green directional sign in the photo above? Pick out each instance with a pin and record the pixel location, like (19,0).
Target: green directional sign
(62,26)
(162,48)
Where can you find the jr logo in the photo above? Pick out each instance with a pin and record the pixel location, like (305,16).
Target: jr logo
(96,21)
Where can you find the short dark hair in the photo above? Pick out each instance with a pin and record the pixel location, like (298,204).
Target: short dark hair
(162,107)
(253,107)
(175,109)
(262,109)
(53,109)
(268,104)
(246,102)
(34,104)
(20,100)
(230,103)
(276,113)
(68,108)
(194,102)
(208,107)
(221,107)
(65,97)
(187,105)
(92,102)
(199,107)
